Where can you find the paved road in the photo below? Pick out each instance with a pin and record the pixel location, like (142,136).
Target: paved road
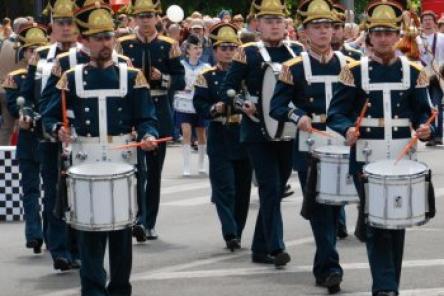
(189,259)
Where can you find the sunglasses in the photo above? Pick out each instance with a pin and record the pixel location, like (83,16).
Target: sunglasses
(228,47)
(146,15)
(64,22)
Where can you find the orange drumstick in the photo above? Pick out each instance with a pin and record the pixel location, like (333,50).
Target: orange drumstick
(133,145)
(415,138)
(64,112)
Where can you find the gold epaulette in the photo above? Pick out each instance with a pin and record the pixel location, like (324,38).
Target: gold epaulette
(249,44)
(416,65)
(293,61)
(166,39)
(9,82)
(18,72)
(123,57)
(349,60)
(354,64)
(127,37)
(42,48)
(62,55)
(209,69)
(133,69)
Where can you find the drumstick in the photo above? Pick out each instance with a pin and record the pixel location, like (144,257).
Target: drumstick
(322,133)
(415,138)
(64,112)
(361,117)
(136,144)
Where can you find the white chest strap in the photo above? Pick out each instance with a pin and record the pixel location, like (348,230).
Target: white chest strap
(386,89)
(102,95)
(327,80)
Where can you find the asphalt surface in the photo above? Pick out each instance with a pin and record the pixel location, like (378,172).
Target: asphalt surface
(190,259)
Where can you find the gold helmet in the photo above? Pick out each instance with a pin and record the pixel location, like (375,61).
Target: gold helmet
(339,12)
(268,7)
(58,9)
(319,11)
(95,19)
(224,33)
(384,15)
(32,35)
(146,6)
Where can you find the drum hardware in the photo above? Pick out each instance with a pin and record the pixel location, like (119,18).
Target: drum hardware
(238,101)
(81,155)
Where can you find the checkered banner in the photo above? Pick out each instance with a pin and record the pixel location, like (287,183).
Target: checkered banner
(11,208)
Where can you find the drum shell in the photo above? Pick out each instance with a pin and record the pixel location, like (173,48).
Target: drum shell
(102,203)
(396,202)
(335,185)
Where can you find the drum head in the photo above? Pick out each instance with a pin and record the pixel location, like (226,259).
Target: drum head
(333,150)
(270,78)
(389,168)
(100,169)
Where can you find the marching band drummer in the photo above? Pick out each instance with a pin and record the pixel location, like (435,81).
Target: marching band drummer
(31,36)
(159,59)
(134,109)
(56,232)
(307,81)
(271,160)
(397,93)
(230,169)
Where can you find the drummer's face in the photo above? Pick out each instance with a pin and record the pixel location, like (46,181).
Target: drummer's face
(225,52)
(383,42)
(319,34)
(272,29)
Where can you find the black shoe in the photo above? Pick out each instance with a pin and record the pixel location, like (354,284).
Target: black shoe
(333,280)
(151,234)
(61,264)
(262,258)
(287,191)
(334,289)
(233,244)
(342,231)
(36,245)
(281,259)
(139,233)
(438,142)
(431,143)
(75,264)
(386,293)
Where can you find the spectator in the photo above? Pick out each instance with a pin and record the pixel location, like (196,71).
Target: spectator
(238,21)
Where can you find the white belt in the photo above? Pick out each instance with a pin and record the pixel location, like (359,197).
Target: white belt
(158,92)
(110,139)
(379,122)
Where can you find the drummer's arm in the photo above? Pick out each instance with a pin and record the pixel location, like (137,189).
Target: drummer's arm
(345,105)
(144,110)
(201,99)
(52,114)
(421,104)
(50,88)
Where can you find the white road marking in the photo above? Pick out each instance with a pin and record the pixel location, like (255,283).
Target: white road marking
(412,292)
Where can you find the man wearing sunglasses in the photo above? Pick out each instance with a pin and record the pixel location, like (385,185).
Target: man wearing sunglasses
(159,59)
(271,160)
(128,105)
(230,170)
(56,232)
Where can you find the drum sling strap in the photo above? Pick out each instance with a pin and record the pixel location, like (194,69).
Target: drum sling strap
(309,190)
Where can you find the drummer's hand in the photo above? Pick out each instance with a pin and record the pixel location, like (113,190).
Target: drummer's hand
(304,124)
(352,136)
(25,122)
(424,132)
(148,144)
(155,74)
(219,107)
(249,108)
(65,135)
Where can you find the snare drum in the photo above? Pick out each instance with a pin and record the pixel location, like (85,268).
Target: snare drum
(396,195)
(101,196)
(335,185)
(273,129)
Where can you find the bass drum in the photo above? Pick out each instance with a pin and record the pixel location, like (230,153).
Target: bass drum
(273,129)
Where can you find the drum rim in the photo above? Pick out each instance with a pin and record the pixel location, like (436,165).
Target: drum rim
(131,170)
(102,177)
(102,227)
(378,176)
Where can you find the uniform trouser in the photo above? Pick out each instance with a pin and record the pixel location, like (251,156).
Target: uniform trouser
(154,166)
(231,187)
(385,250)
(272,163)
(56,229)
(30,182)
(324,221)
(439,121)
(141,185)
(342,221)
(92,252)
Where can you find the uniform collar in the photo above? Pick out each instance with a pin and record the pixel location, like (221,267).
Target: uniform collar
(268,44)
(219,67)
(379,60)
(107,64)
(321,57)
(146,40)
